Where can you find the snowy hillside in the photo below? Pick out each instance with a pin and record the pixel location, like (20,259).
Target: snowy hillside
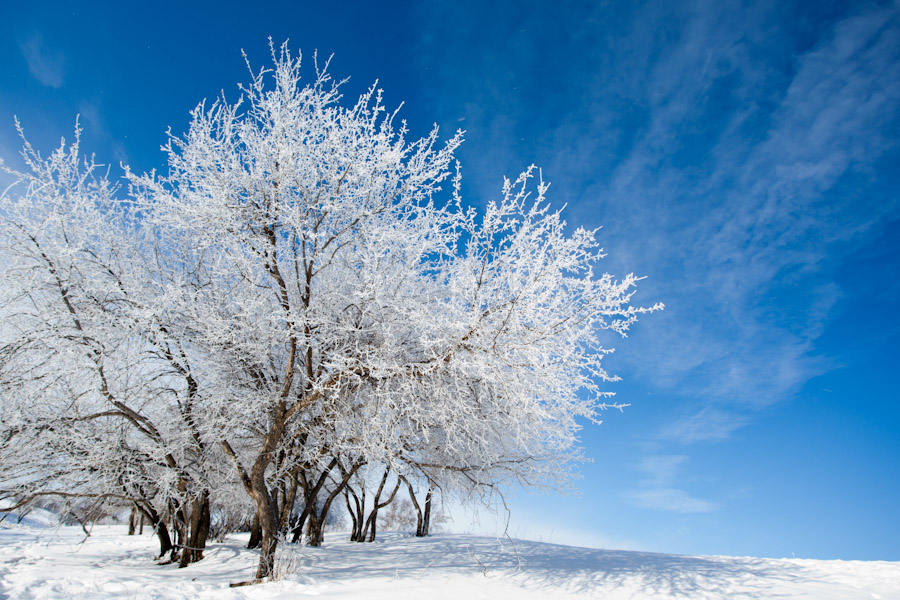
(54,563)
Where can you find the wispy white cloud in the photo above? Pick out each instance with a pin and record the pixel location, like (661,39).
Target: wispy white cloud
(703,424)
(671,500)
(750,236)
(713,148)
(658,490)
(45,64)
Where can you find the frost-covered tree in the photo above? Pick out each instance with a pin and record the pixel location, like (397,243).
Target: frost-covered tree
(343,311)
(297,295)
(313,228)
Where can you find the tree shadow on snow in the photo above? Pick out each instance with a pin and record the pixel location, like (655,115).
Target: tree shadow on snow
(550,566)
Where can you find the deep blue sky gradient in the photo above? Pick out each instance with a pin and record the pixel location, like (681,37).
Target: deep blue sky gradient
(744,157)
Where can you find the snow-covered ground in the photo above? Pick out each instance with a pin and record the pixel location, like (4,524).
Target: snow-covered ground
(49,562)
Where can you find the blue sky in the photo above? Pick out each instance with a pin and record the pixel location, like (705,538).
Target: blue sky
(744,157)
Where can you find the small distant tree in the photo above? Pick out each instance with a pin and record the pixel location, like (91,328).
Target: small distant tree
(399,515)
(422,510)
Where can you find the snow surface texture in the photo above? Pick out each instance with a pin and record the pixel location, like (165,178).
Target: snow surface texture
(60,563)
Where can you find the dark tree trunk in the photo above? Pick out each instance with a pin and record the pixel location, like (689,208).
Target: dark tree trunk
(199,531)
(352,516)
(132,519)
(268,523)
(254,480)
(426,519)
(179,527)
(297,528)
(372,525)
(359,515)
(313,530)
(162,533)
(372,521)
(415,502)
(255,534)
(317,535)
(311,494)
(369,527)
(159,527)
(287,503)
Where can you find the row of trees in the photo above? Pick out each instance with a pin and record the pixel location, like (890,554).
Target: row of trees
(289,308)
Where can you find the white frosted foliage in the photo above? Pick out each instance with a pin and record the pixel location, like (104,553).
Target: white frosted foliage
(304,291)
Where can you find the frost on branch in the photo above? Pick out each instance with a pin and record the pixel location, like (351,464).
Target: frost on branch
(97,395)
(297,297)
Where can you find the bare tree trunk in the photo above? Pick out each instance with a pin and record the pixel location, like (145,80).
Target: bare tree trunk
(254,483)
(268,524)
(373,515)
(255,534)
(415,502)
(179,527)
(199,531)
(313,530)
(311,494)
(357,513)
(159,527)
(162,533)
(352,515)
(371,526)
(316,529)
(426,521)
(132,518)
(288,500)
(266,506)
(372,521)
(297,527)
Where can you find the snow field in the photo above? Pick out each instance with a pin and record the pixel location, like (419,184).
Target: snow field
(60,563)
